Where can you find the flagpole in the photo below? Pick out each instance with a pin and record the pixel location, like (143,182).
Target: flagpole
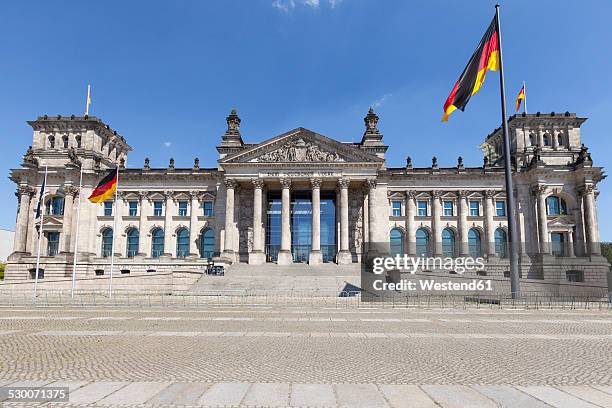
(115,208)
(40,231)
(88,99)
(525,93)
(76,236)
(512,230)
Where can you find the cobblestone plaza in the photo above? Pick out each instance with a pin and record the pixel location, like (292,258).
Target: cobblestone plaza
(311,357)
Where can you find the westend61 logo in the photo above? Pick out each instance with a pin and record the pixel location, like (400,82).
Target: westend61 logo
(401,264)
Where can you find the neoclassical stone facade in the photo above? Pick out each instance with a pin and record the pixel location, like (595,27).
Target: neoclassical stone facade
(303,197)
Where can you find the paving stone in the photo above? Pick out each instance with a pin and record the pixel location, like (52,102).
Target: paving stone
(509,397)
(312,395)
(407,396)
(604,388)
(224,394)
(360,396)
(555,397)
(94,392)
(449,396)
(267,395)
(181,393)
(134,393)
(589,394)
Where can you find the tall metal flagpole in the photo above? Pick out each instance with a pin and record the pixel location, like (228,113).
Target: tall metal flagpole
(512,231)
(76,236)
(525,93)
(40,231)
(115,207)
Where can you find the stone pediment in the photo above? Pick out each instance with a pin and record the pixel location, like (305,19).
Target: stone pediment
(301,146)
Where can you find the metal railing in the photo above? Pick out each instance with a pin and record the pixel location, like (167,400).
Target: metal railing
(299,298)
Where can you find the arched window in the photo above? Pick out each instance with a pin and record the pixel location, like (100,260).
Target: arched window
(207,243)
(556,206)
(182,243)
(51,142)
(157,243)
(396,240)
(132,242)
(500,243)
(546,139)
(474,243)
(107,242)
(448,242)
(55,206)
(65,141)
(422,242)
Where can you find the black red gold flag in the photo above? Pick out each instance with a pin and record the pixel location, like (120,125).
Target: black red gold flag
(520,98)
(105,188)
(485,58)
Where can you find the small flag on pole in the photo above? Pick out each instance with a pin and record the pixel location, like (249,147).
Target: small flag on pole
(484,59)
(88,99)
(105,188)
(40,199)
(521,97)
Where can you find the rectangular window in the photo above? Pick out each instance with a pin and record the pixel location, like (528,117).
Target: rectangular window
(108,208)
(500,208)
(474,209)
(574,276)
(158,208)
(422,208)
(208,208)
(448,208)
(182,211)
(396,206)
(53,243)
(133,209)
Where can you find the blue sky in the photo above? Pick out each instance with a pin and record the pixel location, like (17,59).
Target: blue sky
(165,74)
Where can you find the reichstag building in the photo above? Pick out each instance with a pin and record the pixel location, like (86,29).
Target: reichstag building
(301,197)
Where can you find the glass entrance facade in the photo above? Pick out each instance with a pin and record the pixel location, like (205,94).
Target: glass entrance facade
(301,226)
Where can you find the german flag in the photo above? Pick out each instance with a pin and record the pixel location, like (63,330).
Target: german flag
(105,188)
(485,58)
(520,98)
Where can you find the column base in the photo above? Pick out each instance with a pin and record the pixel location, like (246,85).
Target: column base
(284,257)
(257,258)
(315,258)
(229,255)
(344,258)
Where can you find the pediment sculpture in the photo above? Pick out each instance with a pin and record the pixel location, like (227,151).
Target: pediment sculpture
(299,150)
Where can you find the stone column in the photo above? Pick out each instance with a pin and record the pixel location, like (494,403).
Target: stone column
(543,237)
(436,224)
(257,255)
(70,192)
(489,223)
(23,218)
(284,256)
(570,245)
(464,248)
(168,248)
(344,255)
(371,186)
(590,217)
(228,250)
(193,225)
(315,256)
(410,228)
(142,235)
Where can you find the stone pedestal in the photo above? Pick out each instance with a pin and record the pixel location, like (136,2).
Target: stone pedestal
(257,258)
(344,257)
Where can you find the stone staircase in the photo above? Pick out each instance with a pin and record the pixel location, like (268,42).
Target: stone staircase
(325,279)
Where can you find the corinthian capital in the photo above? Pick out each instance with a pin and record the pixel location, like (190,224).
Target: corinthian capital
(370,184)
(316,182)
(71,190)
(344,182)
(258,183)
(285,183)
(230,183)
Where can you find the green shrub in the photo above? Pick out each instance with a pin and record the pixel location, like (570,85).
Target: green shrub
(606,250)
(1,271)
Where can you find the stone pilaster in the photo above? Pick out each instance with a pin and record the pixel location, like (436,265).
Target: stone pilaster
(228,251)
(462,209)
(70,192)
(315,257)
(436,223)
(489,223)
(193,225)
(142,235)
(540,193)
(257,255)
(284,256)
(23,218)
(371,187)
(344,255)
(410,226)
(169,250)
(590,217)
